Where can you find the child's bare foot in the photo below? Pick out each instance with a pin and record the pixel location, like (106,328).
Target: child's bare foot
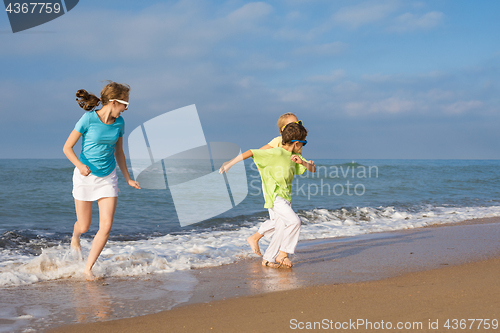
(284,262)
(266,263)
(254,244)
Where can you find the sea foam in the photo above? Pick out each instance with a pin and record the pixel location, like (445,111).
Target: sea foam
(209,248)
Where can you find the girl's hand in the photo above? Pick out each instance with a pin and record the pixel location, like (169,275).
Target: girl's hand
(296,159)
(134,184)
(312,163)
(84,170)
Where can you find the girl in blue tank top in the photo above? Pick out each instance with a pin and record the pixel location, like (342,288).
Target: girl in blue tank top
(94,177)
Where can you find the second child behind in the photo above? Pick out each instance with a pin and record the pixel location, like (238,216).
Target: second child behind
(277,167)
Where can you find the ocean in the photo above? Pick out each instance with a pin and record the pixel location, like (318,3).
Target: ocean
(343,198)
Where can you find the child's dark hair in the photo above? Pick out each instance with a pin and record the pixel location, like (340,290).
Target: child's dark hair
(112,90)
(293,131)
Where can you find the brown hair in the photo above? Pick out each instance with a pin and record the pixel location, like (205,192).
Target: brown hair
(293,131)
(112,90)
(282,119)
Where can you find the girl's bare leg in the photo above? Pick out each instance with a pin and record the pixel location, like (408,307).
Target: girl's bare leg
(107,208)
(82,224)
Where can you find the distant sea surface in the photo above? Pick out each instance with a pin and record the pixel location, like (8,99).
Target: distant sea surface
(343,198)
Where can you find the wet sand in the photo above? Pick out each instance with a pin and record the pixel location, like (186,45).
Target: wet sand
(419,275)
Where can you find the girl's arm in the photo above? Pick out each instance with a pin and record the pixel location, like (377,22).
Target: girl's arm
(70,153)
(310,166)
(273,143)
(227,165)
(122,163)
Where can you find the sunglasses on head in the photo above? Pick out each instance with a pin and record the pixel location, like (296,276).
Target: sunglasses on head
(304,142)
(293,122)
(122,102)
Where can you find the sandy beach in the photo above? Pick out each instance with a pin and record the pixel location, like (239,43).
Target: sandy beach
(426,279)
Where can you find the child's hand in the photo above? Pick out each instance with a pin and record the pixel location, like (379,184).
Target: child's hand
(225,167)
(134,184)
(312,163)
(84,170)
(296,159)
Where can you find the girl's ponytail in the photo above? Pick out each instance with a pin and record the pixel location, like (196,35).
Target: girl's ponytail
(87,101)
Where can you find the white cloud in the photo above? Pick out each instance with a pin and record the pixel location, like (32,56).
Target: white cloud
(261,62)
(293,34)
(461,107)
(392,105)
(434,75)
(413,22)
(328,49)
(295,15)
(295,96)
(364,13)
(378,77)
(247,82)
(157,32)
(383,12)
(439,95)
(250,12)
(418,5)
(332,77)
(398,79)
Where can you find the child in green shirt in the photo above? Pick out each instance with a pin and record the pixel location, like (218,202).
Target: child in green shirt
(267,228)
(277,167)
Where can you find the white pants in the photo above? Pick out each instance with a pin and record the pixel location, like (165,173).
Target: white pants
(284,226)
(267,228)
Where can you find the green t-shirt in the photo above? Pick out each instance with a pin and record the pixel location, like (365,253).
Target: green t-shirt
(276,170)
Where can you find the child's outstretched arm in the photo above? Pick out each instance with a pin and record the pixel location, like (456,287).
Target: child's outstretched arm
(310,166)
(227,165)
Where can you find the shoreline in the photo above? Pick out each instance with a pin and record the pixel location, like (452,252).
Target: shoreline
(424,301)
(326,266)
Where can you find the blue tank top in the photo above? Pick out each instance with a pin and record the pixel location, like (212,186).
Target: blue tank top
(98,142)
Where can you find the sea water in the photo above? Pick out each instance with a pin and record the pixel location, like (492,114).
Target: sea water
(343,198)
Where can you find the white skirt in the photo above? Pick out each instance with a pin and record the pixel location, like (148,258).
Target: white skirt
(91,188)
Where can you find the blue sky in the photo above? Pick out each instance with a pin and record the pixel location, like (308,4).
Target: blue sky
(371,79)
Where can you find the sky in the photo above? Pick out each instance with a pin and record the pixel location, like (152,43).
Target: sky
(387,79)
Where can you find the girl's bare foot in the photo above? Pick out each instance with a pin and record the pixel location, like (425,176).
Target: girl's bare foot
(89,276)
(284,261)
(254,244)
(75,244)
